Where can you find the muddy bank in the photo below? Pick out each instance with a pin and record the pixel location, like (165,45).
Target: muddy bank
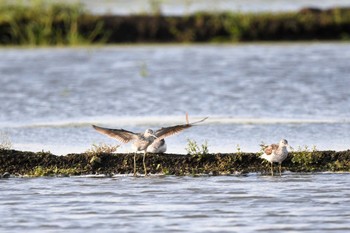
(307,24)
(46,164)
(62,24)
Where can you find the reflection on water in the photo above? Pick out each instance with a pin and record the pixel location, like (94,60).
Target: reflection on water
(251,93)
(291,203)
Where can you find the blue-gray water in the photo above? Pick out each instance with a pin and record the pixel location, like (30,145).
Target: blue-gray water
(49,97)
(253,203)
(251,92)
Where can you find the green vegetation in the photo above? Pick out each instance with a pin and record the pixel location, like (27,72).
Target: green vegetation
(5,142)
(144,70)
(156,6)
(96,150)
(52,171)
(238,149)
(195,151)
(199,162)
(101,148)
(44,22)
(305,157)
(313,160)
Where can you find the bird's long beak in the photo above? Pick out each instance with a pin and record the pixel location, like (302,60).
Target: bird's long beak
(154,136)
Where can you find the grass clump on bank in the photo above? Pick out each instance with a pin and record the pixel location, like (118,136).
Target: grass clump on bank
(52,171)
(195,151)
(5,141)
(97,149)
(42,22)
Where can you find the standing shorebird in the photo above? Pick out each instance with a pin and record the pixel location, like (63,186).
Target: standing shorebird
(146,141)
(158,146)
(275,153)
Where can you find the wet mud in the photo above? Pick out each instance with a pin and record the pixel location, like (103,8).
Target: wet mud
(306,24)
(24,163)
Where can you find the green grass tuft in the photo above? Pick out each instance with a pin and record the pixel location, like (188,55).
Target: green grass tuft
(43,22)
(197,151)
(102,148)
(5,141)
(40,171)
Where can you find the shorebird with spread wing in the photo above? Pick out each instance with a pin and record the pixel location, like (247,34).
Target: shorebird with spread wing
(146,140)
(275,153)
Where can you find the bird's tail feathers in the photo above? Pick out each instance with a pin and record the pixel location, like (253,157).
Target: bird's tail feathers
(196,122)
(264,156)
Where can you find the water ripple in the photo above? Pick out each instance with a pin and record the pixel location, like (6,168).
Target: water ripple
(296,202)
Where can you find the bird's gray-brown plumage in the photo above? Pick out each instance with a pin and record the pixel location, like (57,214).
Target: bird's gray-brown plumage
(142,141)
(157,147)
(276,153)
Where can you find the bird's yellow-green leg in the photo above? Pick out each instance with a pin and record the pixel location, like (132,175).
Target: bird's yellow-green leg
(144,164)
(280,169)
(135,164)
(271,168)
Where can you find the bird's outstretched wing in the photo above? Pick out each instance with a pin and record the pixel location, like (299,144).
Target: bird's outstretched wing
(171,130)
(119,134)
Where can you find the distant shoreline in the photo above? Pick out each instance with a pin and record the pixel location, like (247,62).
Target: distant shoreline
(70,24)
(24,163)
(306,25)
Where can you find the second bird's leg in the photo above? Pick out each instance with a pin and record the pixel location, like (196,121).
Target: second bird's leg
(144,164)
(272,168)
(280,169)
(135,164)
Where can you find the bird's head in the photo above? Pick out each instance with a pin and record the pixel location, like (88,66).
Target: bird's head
(283,143)
(150,133)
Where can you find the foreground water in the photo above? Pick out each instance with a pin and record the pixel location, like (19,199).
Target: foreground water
(291,203)
(251,92)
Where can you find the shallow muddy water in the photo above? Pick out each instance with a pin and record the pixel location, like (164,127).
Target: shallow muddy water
(251,93)
(253,203)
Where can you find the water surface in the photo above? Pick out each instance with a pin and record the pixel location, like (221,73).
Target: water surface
(251,92)
(254,203)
